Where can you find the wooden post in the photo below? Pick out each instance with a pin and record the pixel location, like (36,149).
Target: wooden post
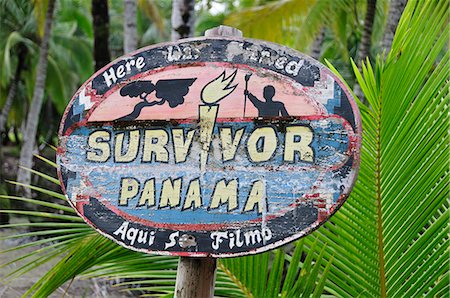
(196,276)
(223,31)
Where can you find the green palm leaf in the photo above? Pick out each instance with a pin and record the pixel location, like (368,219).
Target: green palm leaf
(296,23)
(277,274)
(83,252)
(390,238)
(274,21)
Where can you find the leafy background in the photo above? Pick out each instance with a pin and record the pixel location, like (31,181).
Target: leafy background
(390,239)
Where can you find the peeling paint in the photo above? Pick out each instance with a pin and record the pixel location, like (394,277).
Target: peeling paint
(209,147)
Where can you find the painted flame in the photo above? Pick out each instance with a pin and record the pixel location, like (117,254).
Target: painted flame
(218,88)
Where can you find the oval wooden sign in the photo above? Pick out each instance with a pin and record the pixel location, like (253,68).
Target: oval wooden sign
(209,147)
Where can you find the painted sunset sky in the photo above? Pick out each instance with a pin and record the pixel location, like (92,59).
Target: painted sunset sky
(287,91)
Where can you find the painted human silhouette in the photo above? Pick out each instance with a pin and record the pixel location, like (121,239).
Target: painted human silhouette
(269,107)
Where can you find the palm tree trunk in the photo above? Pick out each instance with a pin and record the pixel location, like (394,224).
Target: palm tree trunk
(317,44)
(183,19)
(395,12)
(129,27)
(26,153)
(12,88)
(366,42)
(8,104)
(100,18)
(4,204)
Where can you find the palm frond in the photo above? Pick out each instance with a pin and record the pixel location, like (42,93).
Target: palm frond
(272,21)
(12,40)
(152,11)
(40,9)
(390,238)
(84,253)
(279,274)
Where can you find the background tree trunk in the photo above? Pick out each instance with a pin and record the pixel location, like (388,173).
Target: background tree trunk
(100,18)
(317,44)
(129,27)
(5,203)
(395,12)
(183,19)
(8,103)
(366,42)
(12,89)
(26,153)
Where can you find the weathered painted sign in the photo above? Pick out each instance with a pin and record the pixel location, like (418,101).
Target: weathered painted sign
(209,147)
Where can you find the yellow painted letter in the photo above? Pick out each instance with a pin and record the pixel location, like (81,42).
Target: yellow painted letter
(262,144)
(155,141)
(129,188)
(133,146)
(148,194)
(170,193)
(99,140)
(193,195)
(230,144)
(256,197)
(225,193)
(180,145)
(298,139)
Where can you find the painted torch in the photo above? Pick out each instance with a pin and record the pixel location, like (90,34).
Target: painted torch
(211,94)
